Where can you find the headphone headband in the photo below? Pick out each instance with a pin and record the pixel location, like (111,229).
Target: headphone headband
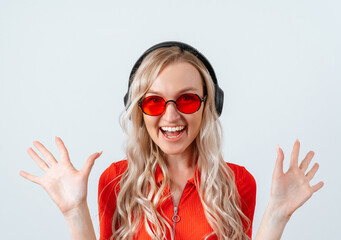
(219,94)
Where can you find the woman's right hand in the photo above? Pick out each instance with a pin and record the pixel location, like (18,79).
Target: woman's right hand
(66,186)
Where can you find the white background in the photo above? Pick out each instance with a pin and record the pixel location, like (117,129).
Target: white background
(64,67)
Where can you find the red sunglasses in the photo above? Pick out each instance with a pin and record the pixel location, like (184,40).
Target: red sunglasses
(156,105)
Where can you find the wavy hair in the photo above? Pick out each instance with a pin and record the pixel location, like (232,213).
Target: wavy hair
(140,197)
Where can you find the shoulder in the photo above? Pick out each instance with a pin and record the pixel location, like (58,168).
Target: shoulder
(242,175)
(108,189)
(113,174)
(246,186)
(245,182)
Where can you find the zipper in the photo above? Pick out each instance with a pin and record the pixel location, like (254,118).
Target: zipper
(176,218)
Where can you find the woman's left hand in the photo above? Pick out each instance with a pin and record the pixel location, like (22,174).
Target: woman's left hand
(292,189)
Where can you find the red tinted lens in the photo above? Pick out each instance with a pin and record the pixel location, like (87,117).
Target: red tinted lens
(188,103)
(153,105)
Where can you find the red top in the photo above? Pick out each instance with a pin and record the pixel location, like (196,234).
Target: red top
(193,224)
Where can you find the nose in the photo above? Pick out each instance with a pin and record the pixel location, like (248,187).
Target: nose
(171,113)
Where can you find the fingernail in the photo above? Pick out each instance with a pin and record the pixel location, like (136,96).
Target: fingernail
(277,148)
(99,153)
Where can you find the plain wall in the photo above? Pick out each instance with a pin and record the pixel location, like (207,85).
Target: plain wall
(64,67)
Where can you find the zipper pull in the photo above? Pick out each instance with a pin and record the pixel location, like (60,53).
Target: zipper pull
(176,217)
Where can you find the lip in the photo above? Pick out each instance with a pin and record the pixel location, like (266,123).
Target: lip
(173,139)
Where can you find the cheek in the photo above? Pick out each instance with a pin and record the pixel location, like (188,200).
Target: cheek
(196,123)
(197,127)
(150,124)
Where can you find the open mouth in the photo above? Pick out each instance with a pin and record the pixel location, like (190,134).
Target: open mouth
(172,132)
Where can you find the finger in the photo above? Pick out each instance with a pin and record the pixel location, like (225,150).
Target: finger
(40,162)
(279,162)
(64,155)
(312,171)
(305,163)
(90,162)
(317,186)
(47,155)
(30,177)
(294,154)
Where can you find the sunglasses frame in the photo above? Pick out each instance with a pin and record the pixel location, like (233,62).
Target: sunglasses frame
(174,101)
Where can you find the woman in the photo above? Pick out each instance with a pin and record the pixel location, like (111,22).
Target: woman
(174,183)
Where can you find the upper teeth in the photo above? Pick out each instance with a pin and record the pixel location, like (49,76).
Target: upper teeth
(172,129)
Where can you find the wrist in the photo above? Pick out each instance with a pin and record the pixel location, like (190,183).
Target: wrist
(278,212)
(273,223)
(79,223)
(76,212)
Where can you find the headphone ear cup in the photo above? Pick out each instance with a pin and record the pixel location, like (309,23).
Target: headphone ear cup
(219,99)
(125,99)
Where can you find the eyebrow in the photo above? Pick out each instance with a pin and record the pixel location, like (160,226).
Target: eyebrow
(182,91)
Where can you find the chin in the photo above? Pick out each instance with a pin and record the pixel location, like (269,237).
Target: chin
(172,151)
(176,150)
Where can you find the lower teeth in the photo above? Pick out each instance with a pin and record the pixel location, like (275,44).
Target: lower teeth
(165,133)
(172,136)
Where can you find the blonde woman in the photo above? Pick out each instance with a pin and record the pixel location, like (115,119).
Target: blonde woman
(174,183)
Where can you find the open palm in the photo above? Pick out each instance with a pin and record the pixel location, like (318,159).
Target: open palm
(66,186)
(292,189)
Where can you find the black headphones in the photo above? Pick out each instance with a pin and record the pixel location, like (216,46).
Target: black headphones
(219,93)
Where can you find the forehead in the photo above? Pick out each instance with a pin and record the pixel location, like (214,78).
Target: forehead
(176,78)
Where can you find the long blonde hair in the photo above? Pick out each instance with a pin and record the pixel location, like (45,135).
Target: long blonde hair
(140,196)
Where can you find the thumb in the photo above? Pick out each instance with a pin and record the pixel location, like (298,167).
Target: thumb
(90,162)
(279,162)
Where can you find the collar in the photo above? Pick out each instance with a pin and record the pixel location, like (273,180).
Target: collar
(159,175)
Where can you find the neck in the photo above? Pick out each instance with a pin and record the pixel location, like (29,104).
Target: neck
(181,167)
(181,162)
